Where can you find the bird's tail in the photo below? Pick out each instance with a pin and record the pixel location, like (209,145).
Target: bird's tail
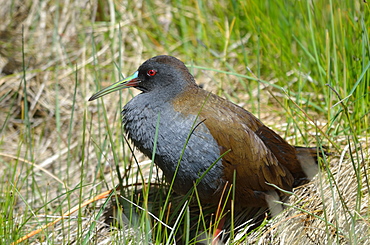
(308,158)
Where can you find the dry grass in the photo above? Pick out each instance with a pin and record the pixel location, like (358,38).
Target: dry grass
(52,58)
(321,213)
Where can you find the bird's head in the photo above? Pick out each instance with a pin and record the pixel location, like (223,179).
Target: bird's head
(160,74)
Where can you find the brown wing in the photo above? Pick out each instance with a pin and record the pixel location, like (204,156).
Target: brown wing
(235,129)
(285,153)
(254,162)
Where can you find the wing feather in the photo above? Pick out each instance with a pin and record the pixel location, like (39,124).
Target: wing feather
(238,131)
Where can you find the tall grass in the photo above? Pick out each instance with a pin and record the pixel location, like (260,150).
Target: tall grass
(300,66)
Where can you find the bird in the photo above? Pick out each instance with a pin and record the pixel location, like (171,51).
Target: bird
(201,140)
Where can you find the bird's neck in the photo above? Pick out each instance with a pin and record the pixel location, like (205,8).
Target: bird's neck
(165,95)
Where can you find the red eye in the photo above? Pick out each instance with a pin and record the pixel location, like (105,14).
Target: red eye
(151,73)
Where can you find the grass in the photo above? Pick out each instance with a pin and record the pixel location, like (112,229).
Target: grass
(301,66)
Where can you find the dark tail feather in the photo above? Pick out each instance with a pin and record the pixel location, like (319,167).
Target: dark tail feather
(308,158)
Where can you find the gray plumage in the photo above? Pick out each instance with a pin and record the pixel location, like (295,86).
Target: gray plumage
(140,117)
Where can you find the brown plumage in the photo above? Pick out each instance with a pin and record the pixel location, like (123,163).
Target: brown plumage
(257,154)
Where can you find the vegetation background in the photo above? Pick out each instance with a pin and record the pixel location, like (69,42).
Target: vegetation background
(301,66)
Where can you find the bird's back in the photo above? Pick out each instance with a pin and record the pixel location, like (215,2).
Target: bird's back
(258,156)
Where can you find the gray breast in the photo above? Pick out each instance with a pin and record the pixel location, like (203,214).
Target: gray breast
(182,140)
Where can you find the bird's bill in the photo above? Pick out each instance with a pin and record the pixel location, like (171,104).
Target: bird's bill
(127,82)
